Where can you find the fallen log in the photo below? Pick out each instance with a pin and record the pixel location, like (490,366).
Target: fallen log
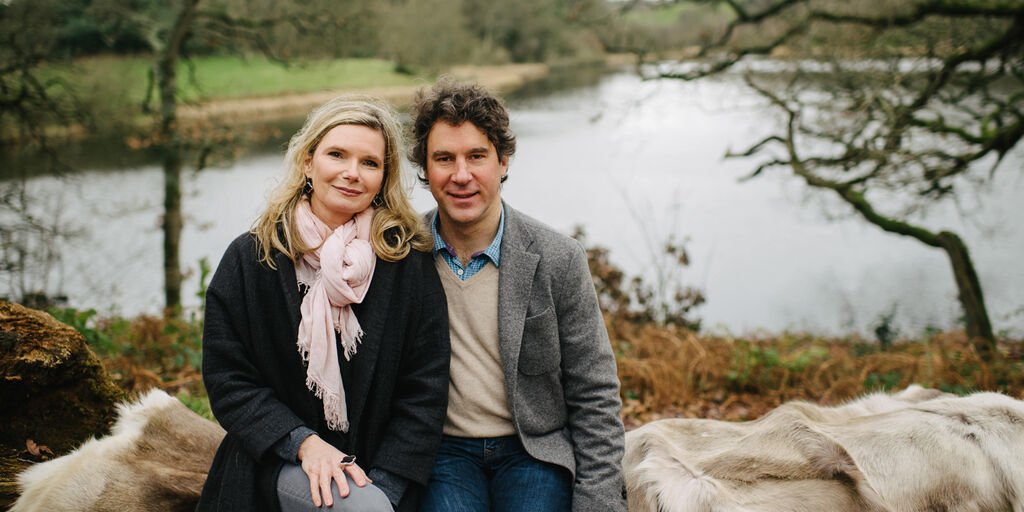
(54,392)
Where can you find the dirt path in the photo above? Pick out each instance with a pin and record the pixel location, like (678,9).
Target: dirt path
(497,78)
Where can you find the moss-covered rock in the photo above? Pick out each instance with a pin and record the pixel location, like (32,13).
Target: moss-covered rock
(53,390)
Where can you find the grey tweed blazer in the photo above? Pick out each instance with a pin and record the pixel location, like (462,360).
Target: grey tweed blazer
(560,375)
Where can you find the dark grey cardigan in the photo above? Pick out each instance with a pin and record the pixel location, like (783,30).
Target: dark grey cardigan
(397,397)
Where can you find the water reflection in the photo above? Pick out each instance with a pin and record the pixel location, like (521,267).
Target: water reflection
(633,162)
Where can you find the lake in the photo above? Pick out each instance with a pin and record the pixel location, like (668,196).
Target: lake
(634,162)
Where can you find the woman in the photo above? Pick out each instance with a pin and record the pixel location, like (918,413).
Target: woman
(325,348)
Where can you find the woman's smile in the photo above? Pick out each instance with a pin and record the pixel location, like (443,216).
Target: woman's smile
(348,191)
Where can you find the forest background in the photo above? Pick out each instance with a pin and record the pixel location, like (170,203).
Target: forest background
(163,78)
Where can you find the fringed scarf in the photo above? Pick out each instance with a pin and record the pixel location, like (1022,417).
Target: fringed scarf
(343,266)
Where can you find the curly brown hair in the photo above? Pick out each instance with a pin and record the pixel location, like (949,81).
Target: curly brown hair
(455,103)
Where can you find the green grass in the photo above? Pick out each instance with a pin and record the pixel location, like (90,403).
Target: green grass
(124,79)
(682,13)
(229,77)
(200,404)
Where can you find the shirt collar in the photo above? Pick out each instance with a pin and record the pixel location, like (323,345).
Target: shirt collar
(493,251)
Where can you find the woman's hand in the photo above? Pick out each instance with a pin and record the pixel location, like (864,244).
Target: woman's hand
(322,462)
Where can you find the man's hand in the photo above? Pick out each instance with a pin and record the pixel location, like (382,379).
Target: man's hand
(322,462)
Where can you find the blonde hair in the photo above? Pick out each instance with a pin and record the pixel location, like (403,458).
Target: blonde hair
(396,227)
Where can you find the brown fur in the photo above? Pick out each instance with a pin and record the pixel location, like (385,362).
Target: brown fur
(156,458)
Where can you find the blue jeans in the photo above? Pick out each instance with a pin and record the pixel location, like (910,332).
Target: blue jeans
(494,474)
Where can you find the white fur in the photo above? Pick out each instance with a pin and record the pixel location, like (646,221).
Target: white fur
(98,475)
(915,451)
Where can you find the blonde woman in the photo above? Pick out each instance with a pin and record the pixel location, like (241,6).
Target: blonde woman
(325,349)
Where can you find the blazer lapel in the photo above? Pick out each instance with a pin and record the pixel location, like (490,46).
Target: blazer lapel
(515,281)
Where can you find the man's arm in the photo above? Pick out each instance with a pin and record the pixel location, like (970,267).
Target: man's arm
(591,388)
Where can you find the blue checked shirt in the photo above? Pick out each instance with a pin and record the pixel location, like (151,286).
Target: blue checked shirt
(478,260)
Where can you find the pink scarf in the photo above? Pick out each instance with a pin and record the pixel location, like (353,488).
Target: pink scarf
(343,263)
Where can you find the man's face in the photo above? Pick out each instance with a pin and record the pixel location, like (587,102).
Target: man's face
(465,174)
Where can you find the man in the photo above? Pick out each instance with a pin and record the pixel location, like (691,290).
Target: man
(533,415)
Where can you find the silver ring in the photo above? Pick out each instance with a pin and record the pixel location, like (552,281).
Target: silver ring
(347,460)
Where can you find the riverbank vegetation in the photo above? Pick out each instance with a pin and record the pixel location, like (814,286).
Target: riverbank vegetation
(665,370)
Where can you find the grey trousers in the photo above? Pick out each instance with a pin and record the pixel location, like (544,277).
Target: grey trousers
(293,494)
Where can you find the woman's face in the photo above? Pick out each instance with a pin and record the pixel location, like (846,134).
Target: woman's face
(347,170)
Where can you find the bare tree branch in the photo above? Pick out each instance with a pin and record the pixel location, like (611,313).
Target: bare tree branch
(914,126)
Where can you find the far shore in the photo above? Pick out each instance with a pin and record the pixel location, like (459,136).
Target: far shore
(502,79)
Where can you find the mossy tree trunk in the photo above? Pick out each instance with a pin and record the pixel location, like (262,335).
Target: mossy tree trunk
(166,68)
(969,293)
(53,390)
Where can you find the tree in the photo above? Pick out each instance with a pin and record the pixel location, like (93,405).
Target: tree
(32,104)
(904,104)
(173,30)
(423,34)
(432,34)
(535,30)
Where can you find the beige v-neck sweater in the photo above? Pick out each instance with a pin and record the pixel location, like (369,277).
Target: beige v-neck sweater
(477,403)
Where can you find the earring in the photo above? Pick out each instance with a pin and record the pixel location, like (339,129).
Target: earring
(378,201)
(307,189)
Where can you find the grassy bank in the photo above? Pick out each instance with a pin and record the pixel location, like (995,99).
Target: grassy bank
(689,14)
(665,372)
(108,93)
(217,78)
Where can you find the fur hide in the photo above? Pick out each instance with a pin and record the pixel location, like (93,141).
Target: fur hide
(155,458)
(916,451)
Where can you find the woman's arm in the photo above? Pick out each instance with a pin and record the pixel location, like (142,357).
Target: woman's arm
(240,396)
